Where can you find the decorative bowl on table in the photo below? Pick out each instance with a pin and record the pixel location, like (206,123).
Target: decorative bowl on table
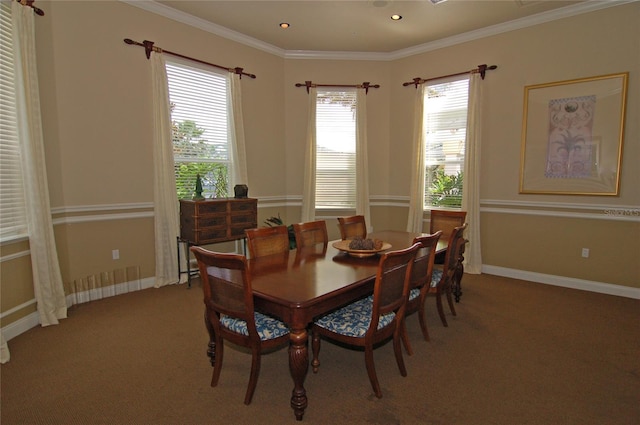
(344,246)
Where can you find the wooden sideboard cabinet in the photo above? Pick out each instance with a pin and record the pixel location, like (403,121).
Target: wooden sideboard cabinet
(216,220)
(210,221)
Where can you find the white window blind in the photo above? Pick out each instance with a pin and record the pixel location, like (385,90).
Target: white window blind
(445,127)
(336,149)
(198,97)
(12,207)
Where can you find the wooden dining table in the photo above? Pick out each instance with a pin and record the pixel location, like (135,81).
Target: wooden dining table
(307,283)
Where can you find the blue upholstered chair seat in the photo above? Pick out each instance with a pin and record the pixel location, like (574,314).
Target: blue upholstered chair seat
(414,293)
(435,277)
(267,326)
(353,319)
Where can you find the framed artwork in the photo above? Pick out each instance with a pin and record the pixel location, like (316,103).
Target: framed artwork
(572,136)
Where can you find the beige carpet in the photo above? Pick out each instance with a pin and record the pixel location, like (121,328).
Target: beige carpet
(517,353)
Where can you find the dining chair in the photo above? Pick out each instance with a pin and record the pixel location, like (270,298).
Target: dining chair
(310,233)
(371,320)
(230,315)
(442,279)
(267,241)
(446,221)
(352,227)
(420,284)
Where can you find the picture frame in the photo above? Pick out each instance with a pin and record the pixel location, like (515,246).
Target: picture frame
(572,136)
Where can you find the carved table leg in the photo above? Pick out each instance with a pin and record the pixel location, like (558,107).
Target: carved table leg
(211,347)
(457,282)
(457,275)
(298,365)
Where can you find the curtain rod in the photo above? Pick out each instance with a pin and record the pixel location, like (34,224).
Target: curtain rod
(366,85)
(482,69)
(149,47)
(29,3)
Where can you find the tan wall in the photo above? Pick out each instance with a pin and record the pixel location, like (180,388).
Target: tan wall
(560,50)
(552,245)
(97,120)
(15,282)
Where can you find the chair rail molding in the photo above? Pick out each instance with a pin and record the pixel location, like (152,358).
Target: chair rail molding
(574,210)
(101,212)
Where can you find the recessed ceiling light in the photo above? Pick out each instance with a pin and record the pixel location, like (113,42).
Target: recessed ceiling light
(437,1)
(396,17)
(284,25)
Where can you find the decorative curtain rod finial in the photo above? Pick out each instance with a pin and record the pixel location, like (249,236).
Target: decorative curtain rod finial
(29,3)
(148,48)
(240,72)
(482,69)
(416,81)
(367,85)
(306,84)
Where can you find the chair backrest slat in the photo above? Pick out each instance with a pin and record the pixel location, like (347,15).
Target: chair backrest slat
(446,221)
(352,227)
(454,250)
(423,264)
(226,283)
(392,280)
(310,233)
(457,242)
(267,241)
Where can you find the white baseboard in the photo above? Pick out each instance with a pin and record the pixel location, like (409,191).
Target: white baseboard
(32,320)
(567,282)
(20,326)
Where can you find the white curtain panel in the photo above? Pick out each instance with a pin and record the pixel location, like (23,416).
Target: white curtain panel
(166,224)
(309,183)
(47,279)
(416,191)
(239,173)
(362,163)
(471,184)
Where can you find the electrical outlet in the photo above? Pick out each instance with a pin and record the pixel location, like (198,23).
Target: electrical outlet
(115,254)
(585,252)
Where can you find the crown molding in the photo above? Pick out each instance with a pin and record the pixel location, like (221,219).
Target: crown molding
(194,21)
(537,19)
(540,18)
(335,55)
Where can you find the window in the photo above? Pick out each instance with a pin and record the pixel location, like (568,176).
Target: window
(336,149)
(12,208)
(198,97)
(445,128)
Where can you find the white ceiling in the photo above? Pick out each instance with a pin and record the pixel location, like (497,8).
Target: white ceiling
(360,27)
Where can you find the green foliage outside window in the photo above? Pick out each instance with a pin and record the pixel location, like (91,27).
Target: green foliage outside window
(214,179)
(188,143)
(445,189)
